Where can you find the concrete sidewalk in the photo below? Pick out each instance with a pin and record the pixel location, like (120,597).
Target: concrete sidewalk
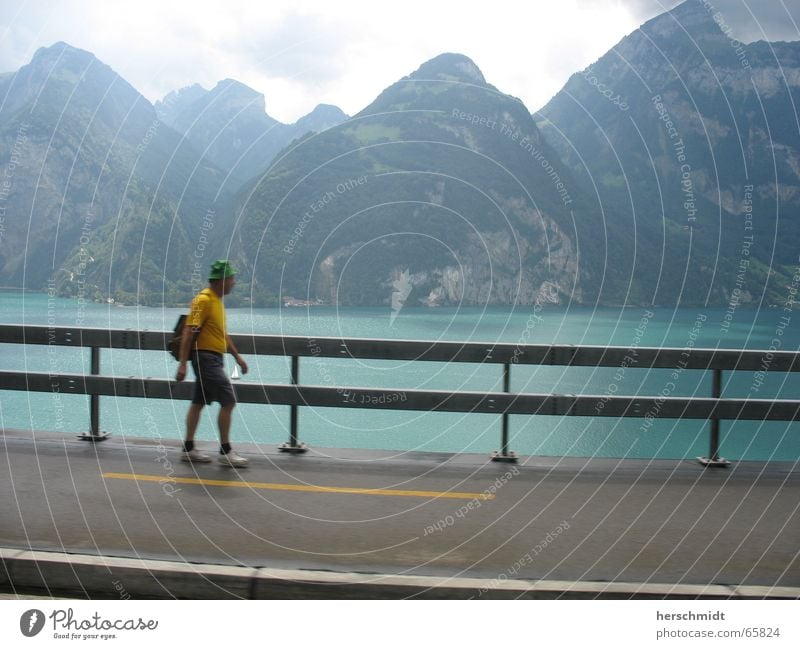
(126,515)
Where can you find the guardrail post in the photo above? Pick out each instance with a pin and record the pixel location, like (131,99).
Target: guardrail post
(713,459)
(94,434)
(504,455)
(292,446)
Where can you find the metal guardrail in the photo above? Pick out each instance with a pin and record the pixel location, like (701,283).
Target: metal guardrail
(504,403)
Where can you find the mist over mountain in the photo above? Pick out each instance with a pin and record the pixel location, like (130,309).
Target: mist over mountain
(177,101)
(230,126)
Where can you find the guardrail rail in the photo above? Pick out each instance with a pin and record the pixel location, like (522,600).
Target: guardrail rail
(713,408)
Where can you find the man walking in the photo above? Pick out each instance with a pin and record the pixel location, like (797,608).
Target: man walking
(205,336)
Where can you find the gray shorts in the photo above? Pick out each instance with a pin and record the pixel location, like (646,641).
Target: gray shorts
(212,382)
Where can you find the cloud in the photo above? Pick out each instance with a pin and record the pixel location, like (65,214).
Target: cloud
(643,10)
(299,54)
(773,21)
(749,20)
(296,46)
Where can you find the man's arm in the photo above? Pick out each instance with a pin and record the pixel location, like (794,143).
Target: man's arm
(235,353)
(187,342)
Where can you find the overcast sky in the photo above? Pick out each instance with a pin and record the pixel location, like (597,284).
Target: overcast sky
(301,53)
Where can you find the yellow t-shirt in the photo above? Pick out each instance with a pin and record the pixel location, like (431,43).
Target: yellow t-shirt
(207,313)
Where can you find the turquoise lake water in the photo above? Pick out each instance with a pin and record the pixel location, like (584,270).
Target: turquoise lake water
(424,431)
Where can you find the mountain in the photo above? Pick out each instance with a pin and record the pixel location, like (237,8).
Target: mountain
(323,117)
(101,199)
(230,125)
(169,108)
(694,138)
(442,180)
(667,173)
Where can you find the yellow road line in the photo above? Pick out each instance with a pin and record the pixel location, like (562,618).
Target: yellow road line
(138,477)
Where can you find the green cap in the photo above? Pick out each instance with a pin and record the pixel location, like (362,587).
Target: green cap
(221,269)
